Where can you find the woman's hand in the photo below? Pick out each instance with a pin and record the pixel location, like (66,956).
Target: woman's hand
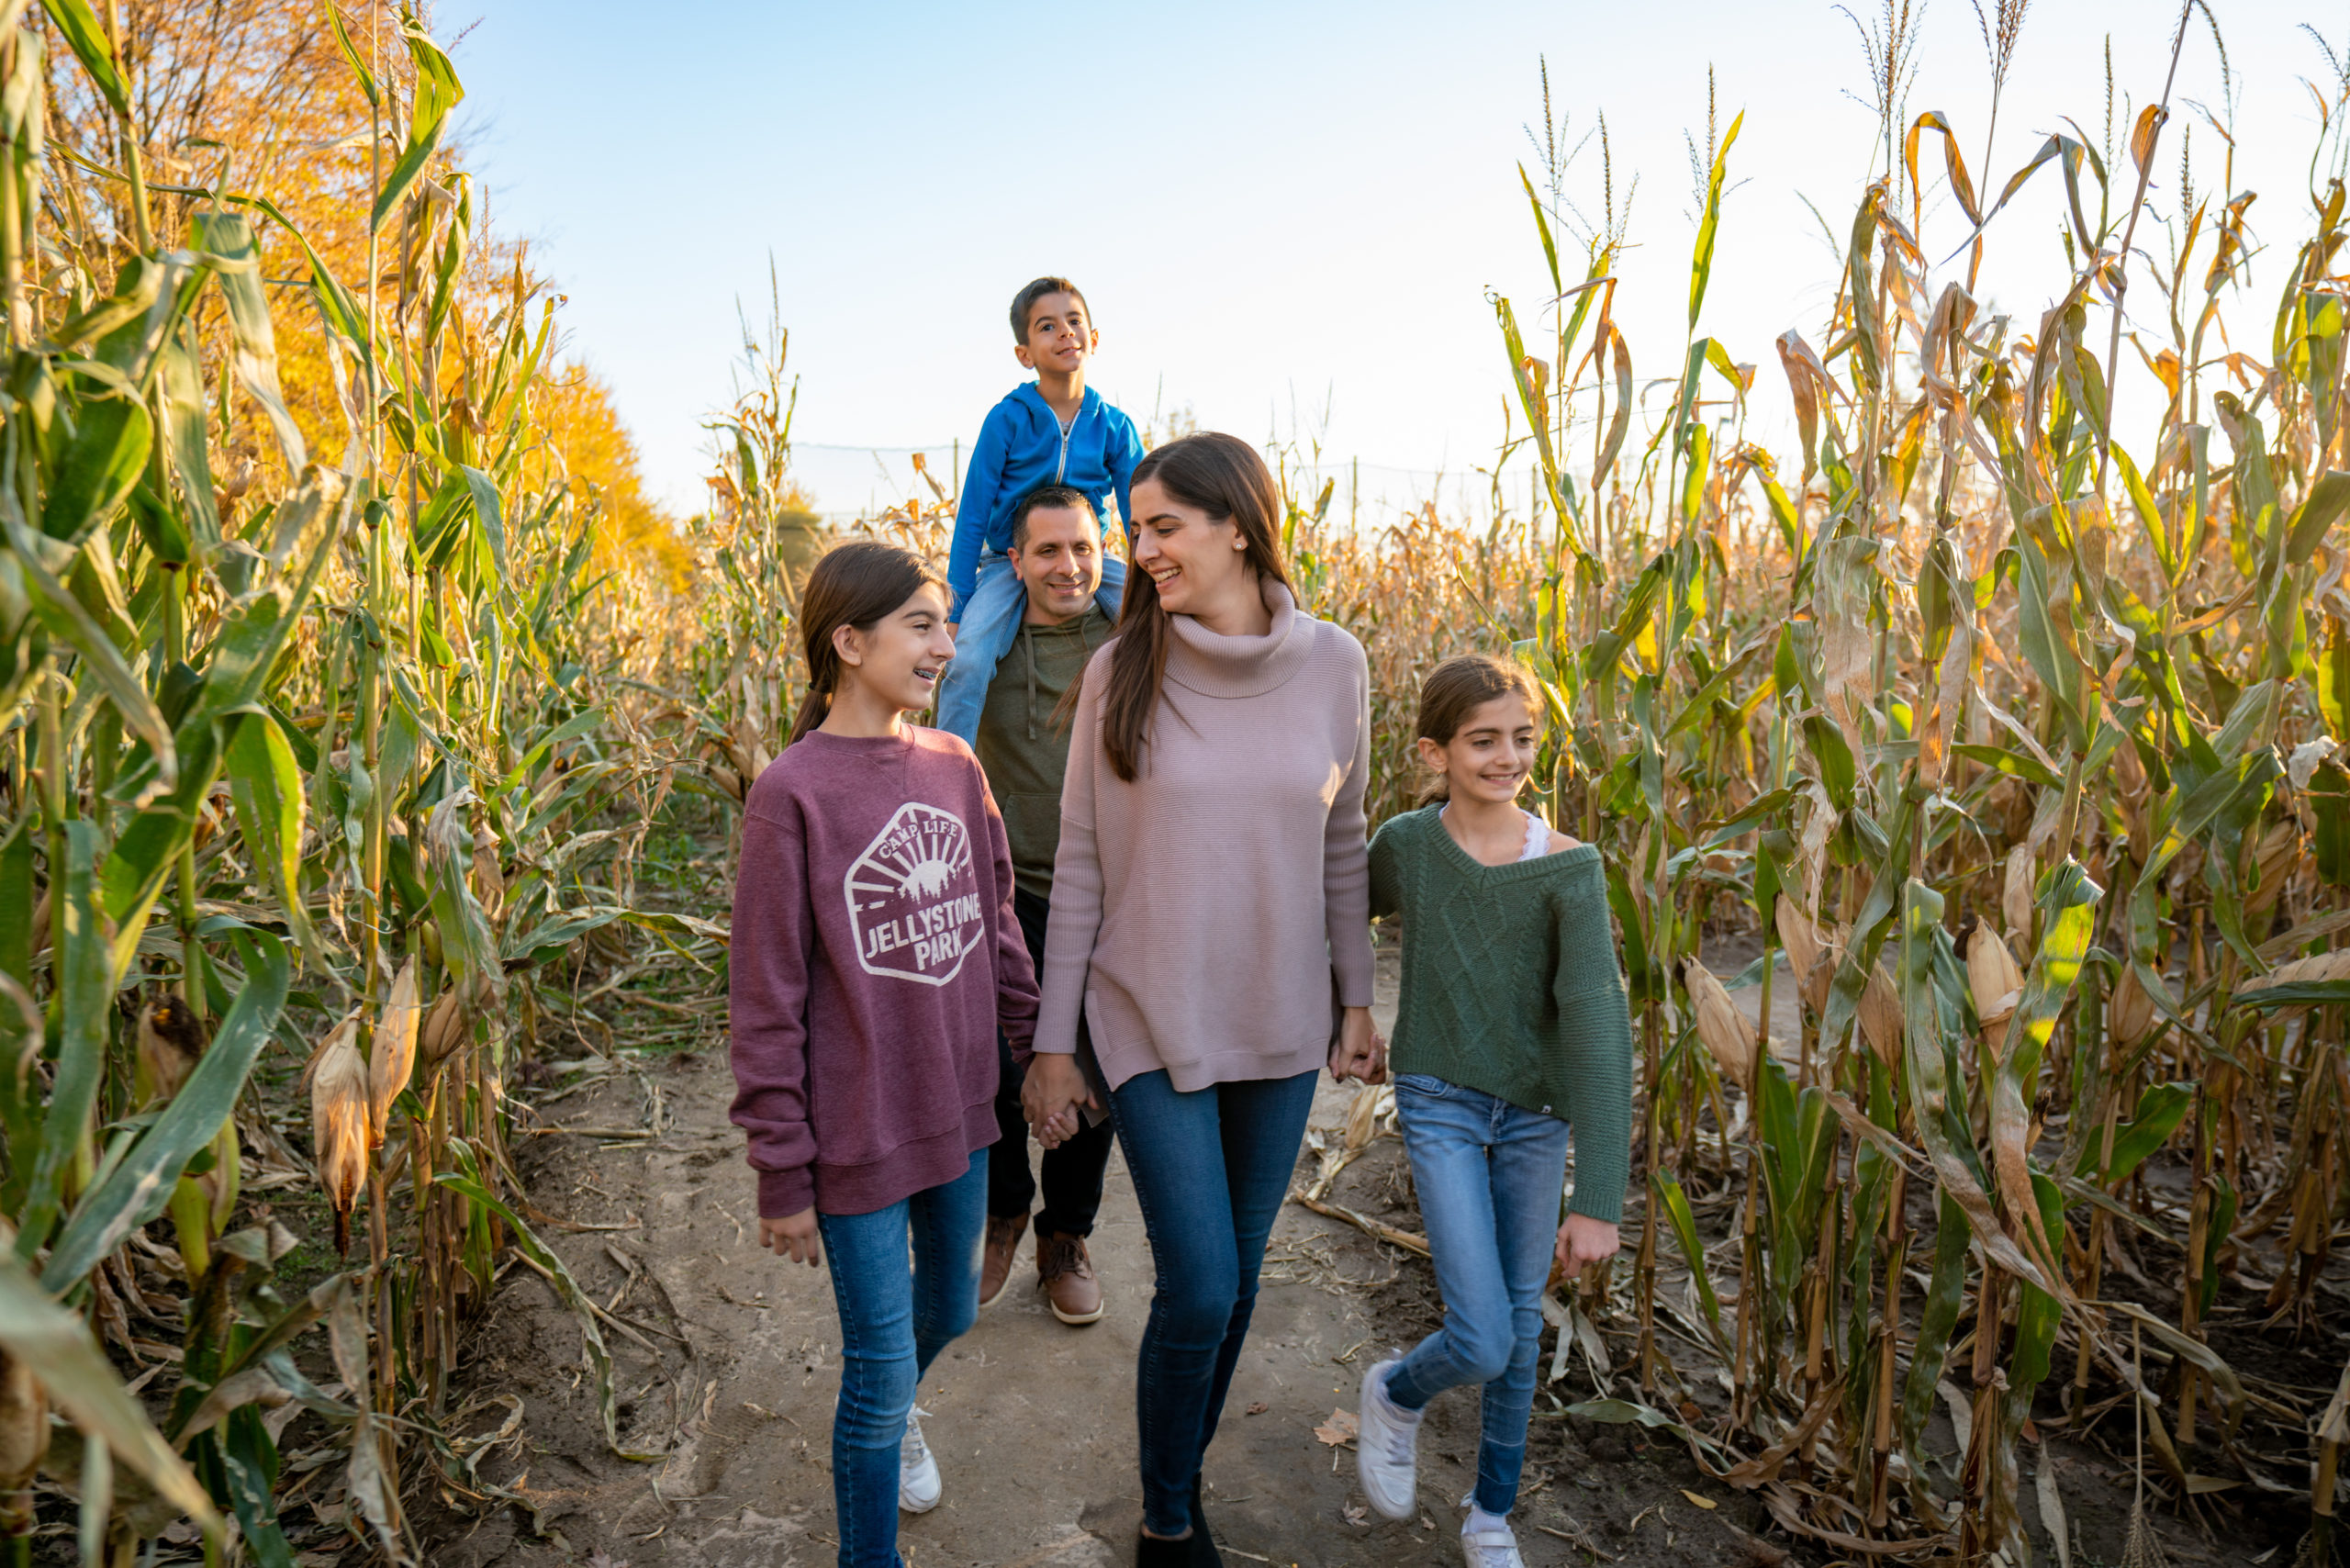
(1584,1240)
(1360,1052)
(793,1237)
(1055,1097)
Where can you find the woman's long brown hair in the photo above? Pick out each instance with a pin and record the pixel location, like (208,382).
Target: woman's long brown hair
(1223,476)
(854,584)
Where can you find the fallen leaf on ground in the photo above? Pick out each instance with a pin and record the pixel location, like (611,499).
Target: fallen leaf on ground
(1701,1502)
(1339,1428)
(1257,1409)
(1355,1514)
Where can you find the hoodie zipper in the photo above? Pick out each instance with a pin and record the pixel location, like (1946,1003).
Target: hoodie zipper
(1060,475)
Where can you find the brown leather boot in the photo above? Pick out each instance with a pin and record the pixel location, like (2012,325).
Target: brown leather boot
(996,1253)
(1065,1273)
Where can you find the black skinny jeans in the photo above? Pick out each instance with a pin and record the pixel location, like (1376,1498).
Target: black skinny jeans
(1072,1184)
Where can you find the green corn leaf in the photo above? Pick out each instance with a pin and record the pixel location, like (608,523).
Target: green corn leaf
(1944,1292)
(229,236)
(85,990)
(71,625)
(1701,262)
(180,372)
(2161,1107)
(1542,226)
(80,1383)
(368,83)
(96,468)
(437,92)
(2038,1313)
(2014,764)
(86,37)
(138,1188)
(1675,1204)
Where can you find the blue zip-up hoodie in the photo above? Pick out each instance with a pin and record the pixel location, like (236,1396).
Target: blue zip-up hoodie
(1020,448)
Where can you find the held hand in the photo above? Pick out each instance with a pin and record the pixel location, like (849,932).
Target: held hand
(1584,1240)
(1360,1052)
(1054,1096)
(793,1237)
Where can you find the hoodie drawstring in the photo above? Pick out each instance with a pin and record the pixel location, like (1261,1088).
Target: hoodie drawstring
(1028,641)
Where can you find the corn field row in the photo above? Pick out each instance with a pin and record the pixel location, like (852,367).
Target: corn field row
(304,758)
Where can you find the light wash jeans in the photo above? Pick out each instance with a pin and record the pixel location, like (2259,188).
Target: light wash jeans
(991,620)
(1211,1167)
(1490,1176)
(894,1321)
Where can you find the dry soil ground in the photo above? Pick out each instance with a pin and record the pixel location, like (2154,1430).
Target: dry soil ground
(728,1364)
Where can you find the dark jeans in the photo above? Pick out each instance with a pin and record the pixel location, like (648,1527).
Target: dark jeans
(1073,1171)
(1210,1169)
(906,1280)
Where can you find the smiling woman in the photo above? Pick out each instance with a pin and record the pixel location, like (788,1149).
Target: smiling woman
(1210,921)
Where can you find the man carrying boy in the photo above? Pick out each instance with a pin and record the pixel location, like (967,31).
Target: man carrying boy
(1056,562)
(1054,431)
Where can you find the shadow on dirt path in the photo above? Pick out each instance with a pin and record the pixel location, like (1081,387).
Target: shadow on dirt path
(727,1366)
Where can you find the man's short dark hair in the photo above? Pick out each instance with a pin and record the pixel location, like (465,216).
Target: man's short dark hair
(1023,303)
(1047,495)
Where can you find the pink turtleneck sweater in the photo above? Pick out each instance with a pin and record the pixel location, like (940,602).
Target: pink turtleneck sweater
(1210,915)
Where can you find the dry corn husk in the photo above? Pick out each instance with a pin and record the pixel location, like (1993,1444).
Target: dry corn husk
(393,1055)
(1809,954)
(2280,850)
(444,1031)
(338,1124)
(1720,1024)
(2014,894)
(2322,967)
(24,1439)
(1881,1016)
(1994,976)
(2131,1015)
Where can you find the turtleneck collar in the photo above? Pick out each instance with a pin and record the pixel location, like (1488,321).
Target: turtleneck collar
(1216,665)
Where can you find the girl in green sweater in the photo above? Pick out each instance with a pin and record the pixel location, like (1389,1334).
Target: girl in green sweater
(1513,1029)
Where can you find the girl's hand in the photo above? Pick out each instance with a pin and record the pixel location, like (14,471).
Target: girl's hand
(1360,1052)
(1584,1240)
(793,1237)
(1054,1096)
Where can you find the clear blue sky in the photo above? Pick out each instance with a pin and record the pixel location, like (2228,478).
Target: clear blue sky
(1275,209)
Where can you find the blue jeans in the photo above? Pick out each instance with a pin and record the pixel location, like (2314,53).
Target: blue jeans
(893,1323)
(1490,1176)
(991,620)
(1210,1169)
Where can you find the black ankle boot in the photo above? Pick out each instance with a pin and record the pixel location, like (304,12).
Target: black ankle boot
(1150,1552)
(1203,1543)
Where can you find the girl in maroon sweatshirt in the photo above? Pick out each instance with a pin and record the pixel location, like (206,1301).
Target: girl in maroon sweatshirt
(875,954)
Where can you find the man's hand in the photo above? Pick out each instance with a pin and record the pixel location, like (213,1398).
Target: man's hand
(1584,1240)
(1055,1097)
(1360,1052)
(793,1237)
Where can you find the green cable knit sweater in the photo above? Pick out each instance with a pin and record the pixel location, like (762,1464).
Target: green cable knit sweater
(1511,987)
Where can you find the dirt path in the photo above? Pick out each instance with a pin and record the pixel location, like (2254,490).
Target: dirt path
(728,1364)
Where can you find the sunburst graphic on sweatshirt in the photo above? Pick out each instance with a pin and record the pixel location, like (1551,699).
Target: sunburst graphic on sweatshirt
(914,897)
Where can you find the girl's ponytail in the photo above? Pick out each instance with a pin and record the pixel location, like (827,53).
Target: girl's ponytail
(854,584)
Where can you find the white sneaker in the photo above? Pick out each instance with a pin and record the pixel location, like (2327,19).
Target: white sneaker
(1490,1543)
(1387,1447)
(918,1481)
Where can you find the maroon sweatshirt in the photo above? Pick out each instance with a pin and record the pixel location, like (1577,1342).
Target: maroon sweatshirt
(874,955)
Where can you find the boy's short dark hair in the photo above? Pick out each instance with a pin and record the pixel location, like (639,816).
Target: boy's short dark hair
(1023,303)
(1047,495)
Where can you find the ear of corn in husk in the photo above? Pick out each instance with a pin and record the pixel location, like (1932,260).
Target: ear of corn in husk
(394,1054)
(2131,1017)
(1881,1015)
(170,1040)
(1722,1027)
(1997,982)
(24,1439)
(2014,894)
(2312,970)
(338,1124)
